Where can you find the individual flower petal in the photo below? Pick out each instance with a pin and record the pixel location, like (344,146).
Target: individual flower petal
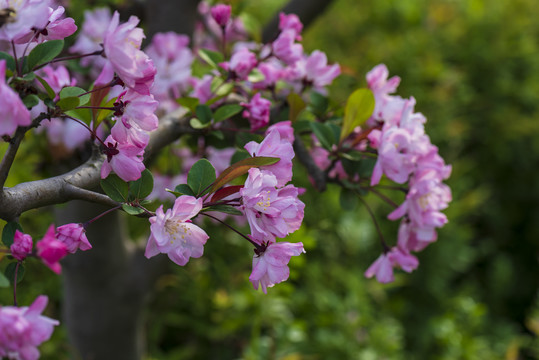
(74,237)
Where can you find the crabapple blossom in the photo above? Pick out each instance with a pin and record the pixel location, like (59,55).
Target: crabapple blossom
(316,71)
(285,49)
(14,113)
(56,28)
(290,21)
(241,63)
(173,233)
(24,15)
(122,48)
(74,237)
(270,263)
(382,267)
(23,329)
(274,145)
(124,158)
(285,130)
(257,111)
(394,156)
(221,14)
(50,250)
(22,245)
(57,77)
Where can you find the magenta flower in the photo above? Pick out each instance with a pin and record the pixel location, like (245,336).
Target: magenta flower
(22,245)
(23,329)
(285,49)
(241,63)
(56,28)
(174,234)
(122,48)
(315,70)
(275,146)
(124,159)
(57,77)
(257,111)
(74,237)
(270,263)
(272,71)
(271,212)
(202,88)
(14,113)
(51,250)
(26,14)
(290,21)
(285,130)
(221,14)
(382,267)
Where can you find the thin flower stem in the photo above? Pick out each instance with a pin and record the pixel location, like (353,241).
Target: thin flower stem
(233,229)
(87,223)
(382,241)
(92,132)
(15,57)
(96,107)
(383,197)
(72,57)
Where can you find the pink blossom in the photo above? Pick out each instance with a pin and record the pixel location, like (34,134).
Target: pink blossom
(414,238)
(272,71)
(383,266)
(241,63)
(202,88)
(285,130)
(67,133)
(14,113)
(275,146)
(57,78)
(257,111)
(25,15)
(270,263)
(22,245)
(221,14)
(316,70)
(271,212)
(51,250)
(290,21)
(74,237)
(381,87)
(122,48)
(285,49)
(136,108)
(23,329)
(172,59)
(174,234)
(124,159)
(56,28)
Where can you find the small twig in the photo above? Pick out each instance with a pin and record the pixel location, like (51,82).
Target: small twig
(233,229)
(384,244)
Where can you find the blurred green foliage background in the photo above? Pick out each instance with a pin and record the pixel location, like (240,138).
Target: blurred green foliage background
(473,67)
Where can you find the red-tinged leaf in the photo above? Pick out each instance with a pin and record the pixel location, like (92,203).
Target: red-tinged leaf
(241,167)
(96,99)
(226,191)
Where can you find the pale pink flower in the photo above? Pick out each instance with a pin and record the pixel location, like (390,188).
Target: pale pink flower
(285,49)
(242,62)
(271,212)
(382,268)
(56,28)
(122,49)
(272,71)
(315,69)
(275,146)
(221,14)
(124,159)
(26,14)
(257,111)
(174,234)
(22,245)
(395,156)
(290,21)
(202,88)
(14,113)
(57,78)
(138,109)
(23,329)
(74,237)
(381,87)
(270,263)
(50,250)
(285,130)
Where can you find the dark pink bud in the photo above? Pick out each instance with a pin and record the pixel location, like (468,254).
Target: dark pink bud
(221,14)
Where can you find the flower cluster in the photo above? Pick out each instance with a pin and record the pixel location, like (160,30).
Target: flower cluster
(406,155)
(23,329)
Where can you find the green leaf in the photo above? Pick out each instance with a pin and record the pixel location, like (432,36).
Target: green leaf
(348,199)
(10,62)
(296,104)
(115,188)
(255,76)
(212,58)
(240,168)
(204,114)
(358,109)
(197,124)
(4,281)
(227,209)
(201,176)
(132,210)
(30,101)
(48,89)
(188,102)
(319,103)
(11,268)
(226,112)
(183,189)
(68,103)
(82,114)
(44,53)
(29,77)
(8,233)
(324,134)
(72,91)
(240,155)
(142,187)
(223,91)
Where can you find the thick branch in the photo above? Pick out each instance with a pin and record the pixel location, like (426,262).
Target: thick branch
(78,183)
